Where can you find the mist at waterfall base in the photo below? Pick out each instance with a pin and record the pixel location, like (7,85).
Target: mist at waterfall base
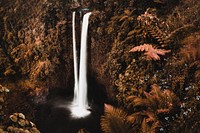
(66,113)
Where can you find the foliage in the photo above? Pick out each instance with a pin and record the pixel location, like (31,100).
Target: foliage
(187,12)
(150,52)
(117,121)
(32,43)
(156,101)
(138,81)
(114,121)
(145,111)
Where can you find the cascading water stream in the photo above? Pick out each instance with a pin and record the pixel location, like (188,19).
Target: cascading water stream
(80,106)
(75,61)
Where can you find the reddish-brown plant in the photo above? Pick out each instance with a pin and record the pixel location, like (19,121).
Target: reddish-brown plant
(150,52)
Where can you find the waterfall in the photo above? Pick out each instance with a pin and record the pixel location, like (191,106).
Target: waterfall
(75,61)
(80,105)
(83,63)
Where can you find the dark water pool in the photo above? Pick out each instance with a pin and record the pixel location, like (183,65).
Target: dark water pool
(55,117)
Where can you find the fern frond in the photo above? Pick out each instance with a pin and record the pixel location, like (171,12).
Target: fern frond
(123,18)
(156,33)
(136,117)
(130,98)
(135,101)
(114,121)
(145,128)
(150,51)
(161,101)
(155,125)
(151,100)
(155,90)
(151,116)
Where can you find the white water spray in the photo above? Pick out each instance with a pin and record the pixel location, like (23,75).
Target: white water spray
(80,106)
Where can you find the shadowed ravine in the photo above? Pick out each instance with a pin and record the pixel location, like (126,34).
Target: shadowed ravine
(55,116)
